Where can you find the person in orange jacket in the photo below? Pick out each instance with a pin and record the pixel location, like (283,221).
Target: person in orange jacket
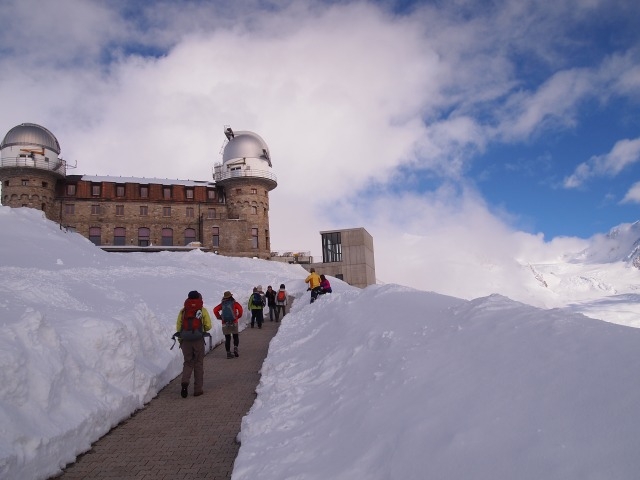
(229,312)
(314,284)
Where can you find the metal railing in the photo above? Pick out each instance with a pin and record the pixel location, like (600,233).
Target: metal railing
(58,166)
(244,173)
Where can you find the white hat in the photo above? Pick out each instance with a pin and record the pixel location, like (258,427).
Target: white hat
(259,287)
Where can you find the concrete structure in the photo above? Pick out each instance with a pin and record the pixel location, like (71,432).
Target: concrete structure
(229,215)
(346,254)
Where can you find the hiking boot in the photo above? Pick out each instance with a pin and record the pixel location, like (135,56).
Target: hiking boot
(185,390)
(229,355)
(235,351)
(252,325)
(197,394)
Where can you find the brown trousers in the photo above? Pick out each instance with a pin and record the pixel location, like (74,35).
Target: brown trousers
(193,352)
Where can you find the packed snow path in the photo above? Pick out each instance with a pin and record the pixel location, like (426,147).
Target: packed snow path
(173,437)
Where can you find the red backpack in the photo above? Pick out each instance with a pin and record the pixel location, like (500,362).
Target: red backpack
(192,328)
(281,296)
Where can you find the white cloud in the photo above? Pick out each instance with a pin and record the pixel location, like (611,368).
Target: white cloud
(624,153)
(343,94)
(633,195)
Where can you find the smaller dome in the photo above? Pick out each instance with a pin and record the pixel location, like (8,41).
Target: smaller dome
(31,134)
(246,145)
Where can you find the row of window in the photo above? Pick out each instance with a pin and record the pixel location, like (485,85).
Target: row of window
(70,209)
(167,240)
(143,191)
(96,209)
(144,234)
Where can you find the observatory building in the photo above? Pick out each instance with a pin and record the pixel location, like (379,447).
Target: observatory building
(228,215)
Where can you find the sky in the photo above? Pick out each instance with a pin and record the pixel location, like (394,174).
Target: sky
(428,385)
(495,130)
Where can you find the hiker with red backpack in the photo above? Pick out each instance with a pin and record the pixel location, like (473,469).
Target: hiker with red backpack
(229,311)
(281,302)
(192,326)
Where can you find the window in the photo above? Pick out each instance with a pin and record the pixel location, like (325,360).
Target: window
(119,210)
(189,193)
(166,193)
(95,209)
(119,190)
(71,189)
(254,209)
(70,209)
(190,212)
(94,235)
(95,189)
(254,190)
(189,236)
(266,236)
(6,183)
(211,213)
(25,182)
(167,237)
(331,247)
(144,191)
(45,184)
(211,194)
(238,191)
(119,236)
(216,236)
(166,211)
(254,238)
(144,210)
(143,237)
(339,276)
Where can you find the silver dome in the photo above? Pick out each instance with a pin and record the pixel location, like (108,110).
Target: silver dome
(31,134)
(246,145)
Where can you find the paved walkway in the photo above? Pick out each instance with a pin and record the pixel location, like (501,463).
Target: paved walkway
(157,442)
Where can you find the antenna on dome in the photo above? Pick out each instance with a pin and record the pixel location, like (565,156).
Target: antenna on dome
(229,133)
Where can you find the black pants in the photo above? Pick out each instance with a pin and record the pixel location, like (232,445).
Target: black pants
(272,312)
(314,294)
(256,316)
(227,341)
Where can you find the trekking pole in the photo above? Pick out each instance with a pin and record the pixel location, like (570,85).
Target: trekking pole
(177,334)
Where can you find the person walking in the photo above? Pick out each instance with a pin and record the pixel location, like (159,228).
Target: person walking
(256,304)
(229,312)
(314,284)
(281,302)
(193,322)
(270,296)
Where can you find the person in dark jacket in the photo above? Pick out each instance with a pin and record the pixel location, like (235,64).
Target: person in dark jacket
(270,295)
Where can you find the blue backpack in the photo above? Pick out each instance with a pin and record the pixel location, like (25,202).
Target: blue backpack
(227,312)
(257,300)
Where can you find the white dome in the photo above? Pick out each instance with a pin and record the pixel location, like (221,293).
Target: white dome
(246,145)
(32,135)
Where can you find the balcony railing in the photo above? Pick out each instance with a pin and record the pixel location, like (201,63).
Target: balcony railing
(219,175)
(58,166)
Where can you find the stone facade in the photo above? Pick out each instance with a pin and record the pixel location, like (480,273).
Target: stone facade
(229,216)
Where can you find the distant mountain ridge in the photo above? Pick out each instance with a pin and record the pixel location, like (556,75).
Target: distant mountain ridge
(621,244)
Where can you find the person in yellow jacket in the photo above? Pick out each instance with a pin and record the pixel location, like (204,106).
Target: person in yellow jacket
(314,284)
(193,322)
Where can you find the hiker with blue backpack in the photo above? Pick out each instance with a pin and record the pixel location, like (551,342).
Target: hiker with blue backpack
(229,312)
(256,305)
(192,326)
